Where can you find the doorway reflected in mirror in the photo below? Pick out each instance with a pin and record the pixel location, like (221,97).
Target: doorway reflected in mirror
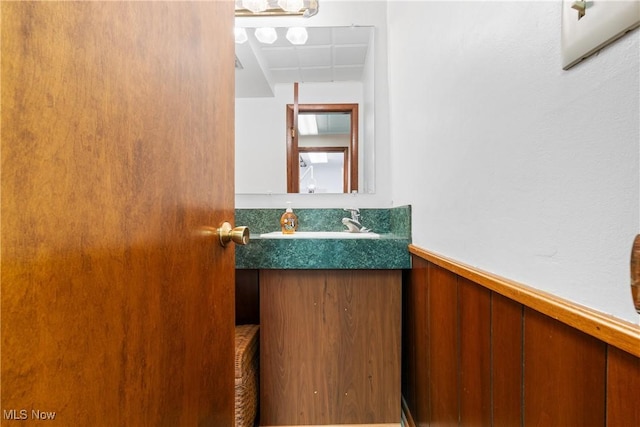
(322,148)
(322,170)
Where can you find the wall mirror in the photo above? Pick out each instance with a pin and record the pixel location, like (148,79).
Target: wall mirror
(334,66)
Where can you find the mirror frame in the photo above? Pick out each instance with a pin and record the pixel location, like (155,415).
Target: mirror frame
(293,151)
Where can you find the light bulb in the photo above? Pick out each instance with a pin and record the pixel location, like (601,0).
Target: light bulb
(266,35)
(255,6)
(290,5)
(297,35)
(240,35)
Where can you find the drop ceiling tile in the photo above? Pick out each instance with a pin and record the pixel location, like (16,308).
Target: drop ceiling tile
(310,56)
(349,55)
(280,57)
(319,36)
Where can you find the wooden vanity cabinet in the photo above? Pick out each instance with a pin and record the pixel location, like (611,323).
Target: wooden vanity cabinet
(330,347)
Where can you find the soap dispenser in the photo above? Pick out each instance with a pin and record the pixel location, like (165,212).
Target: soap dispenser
(289,221)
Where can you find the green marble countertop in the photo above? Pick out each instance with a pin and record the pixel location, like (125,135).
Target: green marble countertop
(390,251)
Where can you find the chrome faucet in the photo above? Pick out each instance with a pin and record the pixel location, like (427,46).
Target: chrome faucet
(353,224)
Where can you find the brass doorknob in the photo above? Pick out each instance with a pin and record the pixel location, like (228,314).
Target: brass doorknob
(238,235)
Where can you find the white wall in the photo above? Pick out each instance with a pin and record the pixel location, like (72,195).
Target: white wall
(512,164)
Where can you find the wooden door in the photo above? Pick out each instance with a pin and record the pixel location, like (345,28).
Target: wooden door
(117,149)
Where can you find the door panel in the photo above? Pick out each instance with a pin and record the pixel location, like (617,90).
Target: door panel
(117,147)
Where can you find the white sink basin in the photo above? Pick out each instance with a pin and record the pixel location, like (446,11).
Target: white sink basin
(319,235)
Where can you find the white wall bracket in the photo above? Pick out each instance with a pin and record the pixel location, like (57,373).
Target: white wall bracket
(588,26)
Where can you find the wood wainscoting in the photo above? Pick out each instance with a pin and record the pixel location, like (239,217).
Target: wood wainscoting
(482,350)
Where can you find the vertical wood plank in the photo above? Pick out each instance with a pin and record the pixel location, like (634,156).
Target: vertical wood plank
(507,358)
(409,340)
(564,374)
(418,399)
(623,386)
(474,304)
(443,346)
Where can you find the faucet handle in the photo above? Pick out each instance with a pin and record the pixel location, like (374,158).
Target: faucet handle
(355,213)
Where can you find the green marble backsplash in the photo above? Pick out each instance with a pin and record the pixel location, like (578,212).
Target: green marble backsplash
(395,221)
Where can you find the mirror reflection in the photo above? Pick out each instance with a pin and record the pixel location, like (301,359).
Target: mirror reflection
(334,66)
(322,155)
(322,170)
(323,148)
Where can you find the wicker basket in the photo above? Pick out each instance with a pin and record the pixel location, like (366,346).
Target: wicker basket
(246,375)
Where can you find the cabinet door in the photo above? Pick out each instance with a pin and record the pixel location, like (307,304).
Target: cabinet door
(329,346)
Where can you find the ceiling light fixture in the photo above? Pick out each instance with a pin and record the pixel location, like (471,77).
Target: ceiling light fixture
(255,6)
(266,35)
(297,35)
(306,8)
